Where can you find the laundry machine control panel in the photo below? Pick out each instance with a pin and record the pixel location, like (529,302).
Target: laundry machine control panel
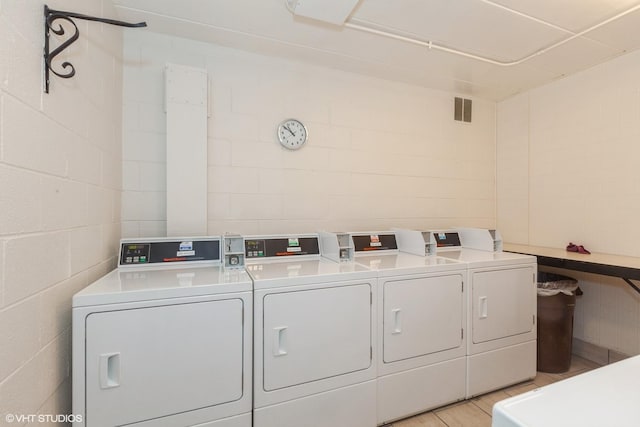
(447,239)
(165,251)
(374,242)
(135,253)
(281,247)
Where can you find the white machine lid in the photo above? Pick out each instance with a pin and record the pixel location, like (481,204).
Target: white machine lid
(379,252)
(478,258)
(606,396)
(389,264)
(286,260)
(304,272)
(125,285)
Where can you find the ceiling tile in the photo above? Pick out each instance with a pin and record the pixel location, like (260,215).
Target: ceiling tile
(622,33)
(468,25)
(575,55)
(477,26)
(573,15)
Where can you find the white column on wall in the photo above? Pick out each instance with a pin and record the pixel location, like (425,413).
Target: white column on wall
(186,108)
(512,169)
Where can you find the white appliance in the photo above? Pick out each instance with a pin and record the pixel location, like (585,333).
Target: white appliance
(314,335)
(606,396)
(421,323)
(502,309)
(165,339)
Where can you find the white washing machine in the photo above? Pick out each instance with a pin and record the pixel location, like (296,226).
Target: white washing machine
(421,323)
(502,309)
(314,335)
(165,339)
(607,396)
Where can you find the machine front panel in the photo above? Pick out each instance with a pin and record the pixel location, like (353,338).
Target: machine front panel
(159,361)
(503,303)
(422,316)
(315,334)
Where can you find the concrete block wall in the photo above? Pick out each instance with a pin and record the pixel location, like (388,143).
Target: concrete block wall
(60,185)
(567,172)
(380,154)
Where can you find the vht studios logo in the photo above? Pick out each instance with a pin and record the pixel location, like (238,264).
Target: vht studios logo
(43,418)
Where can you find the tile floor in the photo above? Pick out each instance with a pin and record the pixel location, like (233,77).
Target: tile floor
(476,412)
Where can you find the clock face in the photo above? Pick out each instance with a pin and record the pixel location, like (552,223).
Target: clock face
(292,134)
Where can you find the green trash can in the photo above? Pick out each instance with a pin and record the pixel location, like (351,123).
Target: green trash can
(556,304)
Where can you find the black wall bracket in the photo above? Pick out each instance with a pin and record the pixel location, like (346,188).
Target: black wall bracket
(633,285)
(50,16)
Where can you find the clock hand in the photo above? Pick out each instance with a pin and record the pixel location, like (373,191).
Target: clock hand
(290,131)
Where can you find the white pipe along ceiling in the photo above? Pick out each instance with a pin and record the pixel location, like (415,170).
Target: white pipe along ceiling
(486,48)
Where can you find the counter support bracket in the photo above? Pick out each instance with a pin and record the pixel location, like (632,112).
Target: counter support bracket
(633,285)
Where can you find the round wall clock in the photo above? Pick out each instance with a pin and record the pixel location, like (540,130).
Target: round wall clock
(292,134)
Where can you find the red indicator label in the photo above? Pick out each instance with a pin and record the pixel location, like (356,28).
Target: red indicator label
(174,259)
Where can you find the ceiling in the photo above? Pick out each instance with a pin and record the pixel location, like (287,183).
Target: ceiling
(516,44)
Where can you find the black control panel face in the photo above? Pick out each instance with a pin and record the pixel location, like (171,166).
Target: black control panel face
(135,253)
(447,240)
(375,242)
(141,253)
(280,247)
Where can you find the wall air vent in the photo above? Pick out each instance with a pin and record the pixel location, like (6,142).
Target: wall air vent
(462,110)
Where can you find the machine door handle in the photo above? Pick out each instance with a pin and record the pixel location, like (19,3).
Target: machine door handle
(483,307)
(280,341)
(109,370)
(397,321)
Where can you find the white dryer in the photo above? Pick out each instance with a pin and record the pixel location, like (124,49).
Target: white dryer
(314,335)
(502,309)
(421,324)
(165,339)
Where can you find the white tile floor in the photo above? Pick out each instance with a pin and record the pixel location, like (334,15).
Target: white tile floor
(477,411)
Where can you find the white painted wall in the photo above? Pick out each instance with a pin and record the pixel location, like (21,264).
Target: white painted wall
(380,153)
(568,172)
(60,181)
